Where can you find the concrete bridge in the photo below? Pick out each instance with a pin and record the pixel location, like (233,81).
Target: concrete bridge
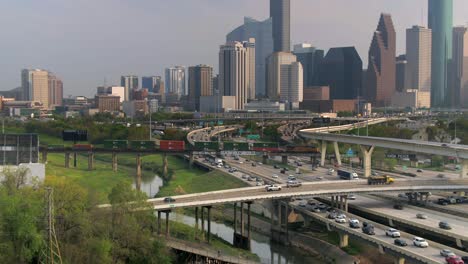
(368,144)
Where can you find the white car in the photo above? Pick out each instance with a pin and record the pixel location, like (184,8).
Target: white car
(271,188)
(445,252)
(302,203)
(341,219)
(274,176)
(420,242)
(392,232)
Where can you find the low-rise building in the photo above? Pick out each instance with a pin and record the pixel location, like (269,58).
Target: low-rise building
(108,103)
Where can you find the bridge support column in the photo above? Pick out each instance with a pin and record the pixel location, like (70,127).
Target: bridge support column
(196,222)
(337,153)
(202,223)
(399,260)
(242,218)
(167,222)
(191,159)
(74,159)
(114,162)
(90,160)
(138,172)
(344,240)
(265,159)
(367,156)
(44,156)
(249,230)
(67,160)
(208,220)
(159,222)
(235,219)
(332,202)
(344,203)
(284,160)
(464,168)
(165,165)
(323,152)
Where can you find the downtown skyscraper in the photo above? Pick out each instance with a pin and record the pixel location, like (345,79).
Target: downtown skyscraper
(381,71)
(175,81)
(459,69)
(200,83)
(418,57)
(130,83)
(441,22)
(236,65)
(280,12)
(261,31)
(41,86)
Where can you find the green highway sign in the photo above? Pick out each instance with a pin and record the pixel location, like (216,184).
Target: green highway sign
(115,144)
(236,146)
(208,145)
(253,137)
(142,145)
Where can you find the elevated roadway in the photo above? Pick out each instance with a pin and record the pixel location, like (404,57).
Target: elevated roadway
(307,189)
(384,209)
(430,254)
(369,143)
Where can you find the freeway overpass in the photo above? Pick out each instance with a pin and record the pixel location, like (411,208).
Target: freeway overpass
(369,143)
(385,243)
(307,189)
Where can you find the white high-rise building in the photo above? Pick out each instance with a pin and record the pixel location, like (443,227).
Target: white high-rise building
(175,81)
(237,71)
(130,83)
(419,56)
(285,78)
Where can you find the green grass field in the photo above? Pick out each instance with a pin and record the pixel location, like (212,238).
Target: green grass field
(102,179)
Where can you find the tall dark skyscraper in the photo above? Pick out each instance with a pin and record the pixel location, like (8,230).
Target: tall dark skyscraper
(381,70)
(441,22)
(341,69)
(280,11)
(310,58)
(402,76)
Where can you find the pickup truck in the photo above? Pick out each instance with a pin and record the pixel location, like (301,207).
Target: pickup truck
(272,188)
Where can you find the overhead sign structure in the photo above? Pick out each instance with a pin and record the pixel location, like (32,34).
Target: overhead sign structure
(208,145)
(321,120)
(236,146)
(238,153)
(253,137)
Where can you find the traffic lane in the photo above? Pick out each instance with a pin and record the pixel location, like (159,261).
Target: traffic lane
(254,192)
(432,252)
(459,225)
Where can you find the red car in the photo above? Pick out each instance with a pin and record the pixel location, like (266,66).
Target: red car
(454,260)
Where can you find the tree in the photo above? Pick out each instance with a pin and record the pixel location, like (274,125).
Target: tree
(131,228)
(20,237)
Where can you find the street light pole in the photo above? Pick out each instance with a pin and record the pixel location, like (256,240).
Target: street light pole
(150,124)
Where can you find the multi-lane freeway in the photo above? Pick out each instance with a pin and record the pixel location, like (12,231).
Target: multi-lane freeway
(431,254)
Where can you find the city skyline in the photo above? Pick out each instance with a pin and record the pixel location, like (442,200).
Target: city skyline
(107,56)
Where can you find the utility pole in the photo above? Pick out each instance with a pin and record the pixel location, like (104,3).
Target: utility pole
(51,252)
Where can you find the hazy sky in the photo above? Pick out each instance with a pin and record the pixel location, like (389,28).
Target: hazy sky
(87,41)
